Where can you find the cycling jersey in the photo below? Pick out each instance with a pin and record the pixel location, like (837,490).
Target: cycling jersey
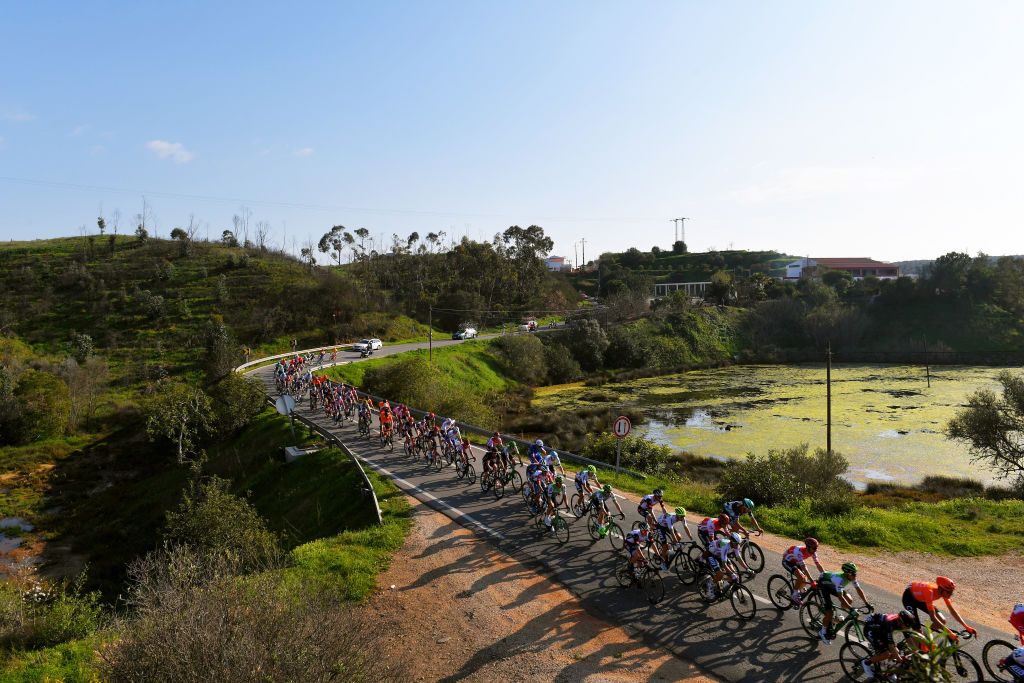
(634,538)
(925,593)
(835,582)
(669,520)
(552,490)
(581,480)
(879,629)
(494,443)
(551,460)
(597,498)
(797,555)
(647,503)
(1017,619)
(732,509)
(535,454)
(710,526)
(718,553)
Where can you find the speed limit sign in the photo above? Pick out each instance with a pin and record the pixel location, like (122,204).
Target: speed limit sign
(621,426)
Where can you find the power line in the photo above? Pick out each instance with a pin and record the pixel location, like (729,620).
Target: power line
(300,205)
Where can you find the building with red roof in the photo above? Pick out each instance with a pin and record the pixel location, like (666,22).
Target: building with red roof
(857,266)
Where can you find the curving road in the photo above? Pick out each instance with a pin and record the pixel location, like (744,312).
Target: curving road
(770,647)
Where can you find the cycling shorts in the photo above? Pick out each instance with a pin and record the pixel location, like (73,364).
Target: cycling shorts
(663,533)
(880,637)
(703,537)
(791,565)
(714,563)
(630,547)
(912,605)
(828,591)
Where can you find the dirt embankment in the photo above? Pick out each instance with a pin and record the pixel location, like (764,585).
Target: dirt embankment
(461,610)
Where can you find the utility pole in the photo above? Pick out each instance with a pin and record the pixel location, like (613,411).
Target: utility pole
(675,225)
(682,225)
(828,397)
(430,334)
(576,254)
(583,247)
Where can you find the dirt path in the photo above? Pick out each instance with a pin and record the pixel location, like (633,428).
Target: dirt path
(461,610)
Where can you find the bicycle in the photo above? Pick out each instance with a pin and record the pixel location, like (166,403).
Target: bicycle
(960,665)
(387,439)
(751,554)
(649,580)
(812,613)
(612,530)
(740,597)
(364,427)
(780,592)
(493,481)
(465,470)
(994,652)
(511,476)
(560,528)
(679,561)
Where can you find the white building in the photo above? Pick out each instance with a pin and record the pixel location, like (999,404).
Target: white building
(557,263)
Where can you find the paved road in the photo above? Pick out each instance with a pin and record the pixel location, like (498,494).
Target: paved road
(770,647)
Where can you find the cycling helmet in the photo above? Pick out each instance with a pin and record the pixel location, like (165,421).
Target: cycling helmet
(642,526)
(680,512)
(735,538)
(749,504)
(658,493)
(607,489)
(811,543)
(559,480)
(723,519)
(554,454)
(497,435)
(538,443)
(849,568)
(592,470)
(945,583)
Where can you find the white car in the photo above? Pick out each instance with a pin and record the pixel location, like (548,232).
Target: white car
(363,344)
(465,333)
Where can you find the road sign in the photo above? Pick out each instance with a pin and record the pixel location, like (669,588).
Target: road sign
(621,426)
(285,404)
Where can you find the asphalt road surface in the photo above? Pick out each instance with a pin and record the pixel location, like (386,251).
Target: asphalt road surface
(772,646)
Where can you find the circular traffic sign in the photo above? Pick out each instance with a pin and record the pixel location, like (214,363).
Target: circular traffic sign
(285,404)
(621,426)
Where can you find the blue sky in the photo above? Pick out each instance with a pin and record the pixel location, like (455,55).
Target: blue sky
(881,129)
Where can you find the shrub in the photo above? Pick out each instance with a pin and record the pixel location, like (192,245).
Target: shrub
(587,341)
(237,400)
(638,454)
(417,382)
(82,347)
(211,519)
(196,620)
(788,476)
(37,614)
(43,407)
(562,367)
(523,358)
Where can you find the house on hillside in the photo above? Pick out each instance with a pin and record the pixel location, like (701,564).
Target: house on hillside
(557,263)
(858,267)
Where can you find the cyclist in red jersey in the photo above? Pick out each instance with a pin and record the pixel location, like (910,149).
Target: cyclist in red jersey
(921,595)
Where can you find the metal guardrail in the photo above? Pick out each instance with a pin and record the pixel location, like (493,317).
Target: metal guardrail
(331,438)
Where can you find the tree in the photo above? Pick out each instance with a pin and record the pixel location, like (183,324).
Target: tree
(219,350)
(334,240)
(101,224)
(721,289)
(523,358)
(992,427)
(43,406)
(237,400)
(86,382)
(228,239)
(179,414)
(82,347)
(948,273)
(141,234)
(588,342)
(839,280)
(679,247)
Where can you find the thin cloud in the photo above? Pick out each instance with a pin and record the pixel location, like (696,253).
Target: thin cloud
(19,117)
(78,130)
(170,150)
(304,152)
(797,184)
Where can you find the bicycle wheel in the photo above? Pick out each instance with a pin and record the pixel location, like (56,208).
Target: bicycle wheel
(695,552)
(438,463)
(963,667)
(995,651)
(409,450)
(753,556)
(654,586)
(780,592)
(561,530)
(742,601)
(471,474)
(391,443)
(851,654)
(811,614)
(615,536)
(594,528)
(526,494)
(686,570)
(577,505)
(485,483)
(460,471)
(706,587)
(624,574)
(517,480)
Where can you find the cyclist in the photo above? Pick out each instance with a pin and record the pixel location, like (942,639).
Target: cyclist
(466,452)
(495,443)
(586,481)
(539,478)
(921,595)
(599,499)
(633,542)
(1017,619)
(506,455)
(879,630)
(435,439)
(552,491)
(794,561)
(709,528)
(736,509)
(833,585)
(647,503)
(364,416)
(551,461)
(387,423)
(490,463)
(718,554)
(1014,663)
(666,534)
(536,452)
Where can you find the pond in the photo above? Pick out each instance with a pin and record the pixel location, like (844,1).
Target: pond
(885,418)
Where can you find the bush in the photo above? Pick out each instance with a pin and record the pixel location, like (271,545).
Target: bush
(638,454)
(37,614)
(237,400)
(562,367)
(788,476)
(210,519)
(196,620)
(42,407)
(523,358)
(417,382)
